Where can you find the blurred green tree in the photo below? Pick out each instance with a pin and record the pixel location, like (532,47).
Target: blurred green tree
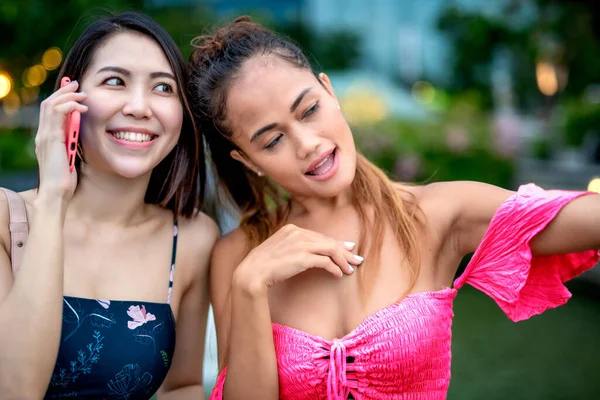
(30,27)
(331,51)
(565,34)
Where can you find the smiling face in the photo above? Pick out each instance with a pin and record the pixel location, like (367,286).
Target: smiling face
(135,115)
(288,126)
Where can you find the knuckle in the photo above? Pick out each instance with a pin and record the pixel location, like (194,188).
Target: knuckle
(290,228)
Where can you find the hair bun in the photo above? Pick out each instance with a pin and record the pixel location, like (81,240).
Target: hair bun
(243,18)
(210,47)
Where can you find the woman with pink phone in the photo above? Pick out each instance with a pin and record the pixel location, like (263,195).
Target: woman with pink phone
(103,270)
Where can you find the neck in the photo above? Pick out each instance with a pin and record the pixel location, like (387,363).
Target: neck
(102,197)
(318,207)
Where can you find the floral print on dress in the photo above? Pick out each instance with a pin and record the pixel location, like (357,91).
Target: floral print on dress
(73,314)
(127,359)
(83,364)
(116,363)
(129,382)
(139,315)
(104,303)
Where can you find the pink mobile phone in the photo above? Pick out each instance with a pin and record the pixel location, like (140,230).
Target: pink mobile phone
(71,130)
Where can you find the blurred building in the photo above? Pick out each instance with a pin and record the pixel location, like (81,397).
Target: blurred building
(397,37)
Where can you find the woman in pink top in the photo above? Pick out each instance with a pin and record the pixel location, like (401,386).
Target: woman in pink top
(300,314)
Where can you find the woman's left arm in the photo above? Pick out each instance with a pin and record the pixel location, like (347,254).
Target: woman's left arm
(575,228)
(184,380)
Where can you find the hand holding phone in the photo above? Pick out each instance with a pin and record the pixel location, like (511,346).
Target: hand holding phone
(71,130)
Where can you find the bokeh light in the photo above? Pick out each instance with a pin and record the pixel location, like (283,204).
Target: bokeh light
(11,104)
(29,95)
(5,84)
(362,105)
(594,185)
(423,92)
(34,76)
(52,58)
(547,80)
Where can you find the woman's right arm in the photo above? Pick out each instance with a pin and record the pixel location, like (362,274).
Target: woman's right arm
(31,302)
(239,287)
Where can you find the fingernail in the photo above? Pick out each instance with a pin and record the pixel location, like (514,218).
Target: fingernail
(358,258)
(349,245)
(351,268)
(73,82)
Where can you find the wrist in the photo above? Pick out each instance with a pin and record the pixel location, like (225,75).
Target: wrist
(47,203)
(248,285)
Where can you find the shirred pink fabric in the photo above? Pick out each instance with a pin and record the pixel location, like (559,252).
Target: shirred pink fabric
(403,351)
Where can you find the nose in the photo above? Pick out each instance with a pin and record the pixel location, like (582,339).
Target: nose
(307,142)
(138,104)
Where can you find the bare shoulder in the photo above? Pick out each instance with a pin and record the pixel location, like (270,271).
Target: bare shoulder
(228,253)
(430,197)
(455,197)
(197,234)
(196,237)
(434,192)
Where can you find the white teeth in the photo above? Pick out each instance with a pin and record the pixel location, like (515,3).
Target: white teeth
(326,171)
(321,163)
(133,136)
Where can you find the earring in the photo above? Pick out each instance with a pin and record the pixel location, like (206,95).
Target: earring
(259,173)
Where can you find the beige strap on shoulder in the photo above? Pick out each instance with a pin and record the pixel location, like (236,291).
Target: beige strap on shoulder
(19,229)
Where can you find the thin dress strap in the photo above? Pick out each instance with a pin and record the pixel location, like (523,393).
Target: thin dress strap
(173,258)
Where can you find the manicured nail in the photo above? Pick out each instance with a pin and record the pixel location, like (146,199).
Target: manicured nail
(358,258)
(349,245)
(351,268)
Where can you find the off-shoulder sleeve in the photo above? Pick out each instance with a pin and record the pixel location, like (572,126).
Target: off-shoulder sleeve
(503,266)
(217,392)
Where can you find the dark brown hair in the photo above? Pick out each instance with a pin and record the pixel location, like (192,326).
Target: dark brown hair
(216,63)
(178,181)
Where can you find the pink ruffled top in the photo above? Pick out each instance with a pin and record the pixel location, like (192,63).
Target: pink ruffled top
(403,350)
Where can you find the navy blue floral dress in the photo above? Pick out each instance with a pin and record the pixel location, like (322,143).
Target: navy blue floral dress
(114,349)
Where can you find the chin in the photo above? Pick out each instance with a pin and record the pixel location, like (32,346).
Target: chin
(131,170)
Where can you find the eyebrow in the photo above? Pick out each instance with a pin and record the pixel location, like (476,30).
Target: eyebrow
(126,72)
(293,108)
(262,130)
(298,100)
